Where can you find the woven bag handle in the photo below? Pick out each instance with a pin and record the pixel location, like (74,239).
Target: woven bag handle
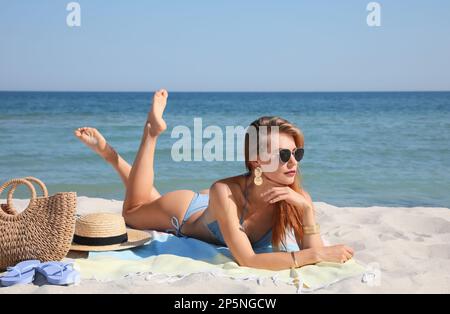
(31,179)
(17,182)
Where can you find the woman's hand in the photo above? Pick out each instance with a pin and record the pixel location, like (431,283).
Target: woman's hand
(285,193)
(336,253)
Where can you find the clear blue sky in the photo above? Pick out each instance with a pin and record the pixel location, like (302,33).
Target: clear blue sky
(225,45)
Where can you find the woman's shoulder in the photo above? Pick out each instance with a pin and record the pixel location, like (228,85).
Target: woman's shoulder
(235,182)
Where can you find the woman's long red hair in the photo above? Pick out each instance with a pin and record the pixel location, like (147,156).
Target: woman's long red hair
(286,216)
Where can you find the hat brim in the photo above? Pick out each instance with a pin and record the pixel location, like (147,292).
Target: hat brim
(135,238)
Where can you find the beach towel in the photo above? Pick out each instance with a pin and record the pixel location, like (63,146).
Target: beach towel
(177,257)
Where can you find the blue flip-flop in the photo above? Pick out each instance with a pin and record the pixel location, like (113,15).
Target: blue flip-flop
(59,273)
(22,273)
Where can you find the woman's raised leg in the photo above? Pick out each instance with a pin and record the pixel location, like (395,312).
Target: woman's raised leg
(95,140)
(140,210)
(141,178)
(143,209)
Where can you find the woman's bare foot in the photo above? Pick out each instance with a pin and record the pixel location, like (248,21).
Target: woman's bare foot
(95,140)
(155,119)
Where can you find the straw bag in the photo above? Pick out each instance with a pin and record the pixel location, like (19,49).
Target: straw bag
(43,231)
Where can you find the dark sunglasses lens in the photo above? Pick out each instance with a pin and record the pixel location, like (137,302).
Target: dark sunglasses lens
(299,154)
(285,154)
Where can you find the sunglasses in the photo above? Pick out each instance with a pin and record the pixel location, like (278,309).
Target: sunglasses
(285,154)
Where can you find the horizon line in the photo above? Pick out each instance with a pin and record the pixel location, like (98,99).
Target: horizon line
(225,91)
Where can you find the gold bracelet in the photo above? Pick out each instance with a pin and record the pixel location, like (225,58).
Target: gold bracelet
(311,229)
(295,260)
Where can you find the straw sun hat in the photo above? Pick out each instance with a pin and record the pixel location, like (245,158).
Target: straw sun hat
(105,232)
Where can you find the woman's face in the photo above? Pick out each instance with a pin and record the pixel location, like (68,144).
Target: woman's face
(281,172)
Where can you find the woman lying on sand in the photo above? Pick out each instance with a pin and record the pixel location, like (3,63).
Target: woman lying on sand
(242,212)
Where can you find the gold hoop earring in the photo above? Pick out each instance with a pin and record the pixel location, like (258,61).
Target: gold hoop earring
(258,179)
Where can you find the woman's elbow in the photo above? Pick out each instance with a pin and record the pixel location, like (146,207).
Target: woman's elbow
(246,261)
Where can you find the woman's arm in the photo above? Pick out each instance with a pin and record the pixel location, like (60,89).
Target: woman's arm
(309,219)
(241,248)
(300,200)
(224,207)
(282,260)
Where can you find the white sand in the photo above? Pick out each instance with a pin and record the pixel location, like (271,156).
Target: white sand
(411,247)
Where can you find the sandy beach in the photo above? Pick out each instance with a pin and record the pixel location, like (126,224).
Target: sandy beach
(348,102)
(409,246)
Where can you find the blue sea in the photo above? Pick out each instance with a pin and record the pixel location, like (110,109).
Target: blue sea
(361,149)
